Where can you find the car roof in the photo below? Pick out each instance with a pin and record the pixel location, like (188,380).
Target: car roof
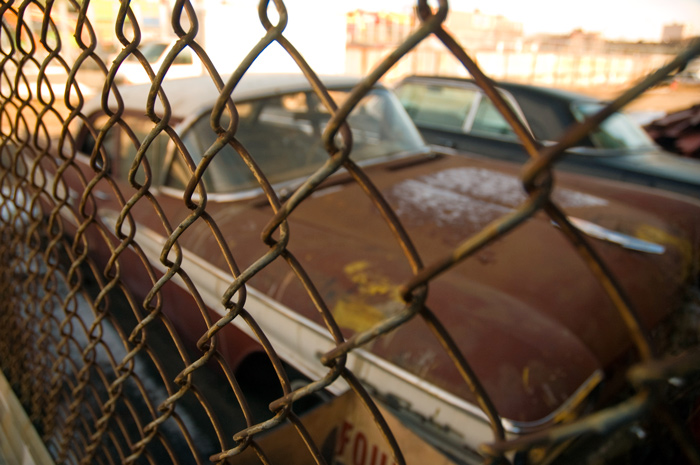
(191,96)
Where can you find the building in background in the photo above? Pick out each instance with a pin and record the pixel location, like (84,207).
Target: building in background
(577,41)
(578,59)
(365,28)
(478,31)
(354,42)
(673,32)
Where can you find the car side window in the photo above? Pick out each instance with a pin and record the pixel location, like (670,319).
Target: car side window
(281,133)
(118,145)
(489,121)
(437,106)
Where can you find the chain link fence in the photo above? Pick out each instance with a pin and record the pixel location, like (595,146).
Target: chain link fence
(111,374)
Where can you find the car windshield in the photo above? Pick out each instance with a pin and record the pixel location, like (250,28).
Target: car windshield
(617,132)
(284,136)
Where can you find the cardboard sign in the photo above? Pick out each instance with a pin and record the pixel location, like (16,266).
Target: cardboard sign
(345,432)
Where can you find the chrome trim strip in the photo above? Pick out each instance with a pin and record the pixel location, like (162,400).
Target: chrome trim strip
(615,237)
(561,413)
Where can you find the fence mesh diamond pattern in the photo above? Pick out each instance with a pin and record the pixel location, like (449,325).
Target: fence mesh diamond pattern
(111,374)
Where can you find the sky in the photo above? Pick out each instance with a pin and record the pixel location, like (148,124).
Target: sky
(630,20)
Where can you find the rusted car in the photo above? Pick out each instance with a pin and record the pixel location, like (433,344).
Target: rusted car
(455,112)
(527,313)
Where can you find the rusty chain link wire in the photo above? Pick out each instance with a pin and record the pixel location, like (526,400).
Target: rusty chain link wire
(106,376)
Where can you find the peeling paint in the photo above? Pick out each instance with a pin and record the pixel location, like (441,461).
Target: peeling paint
(683,246)
(526,379)
(375,299)
(355,314)
(473,195)
(368,283)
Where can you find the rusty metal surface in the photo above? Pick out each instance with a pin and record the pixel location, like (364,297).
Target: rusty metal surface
(105,374)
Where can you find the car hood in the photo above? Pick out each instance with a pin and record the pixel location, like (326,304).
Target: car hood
(526,311)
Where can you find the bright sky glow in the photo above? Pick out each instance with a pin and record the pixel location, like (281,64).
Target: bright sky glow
(615,19)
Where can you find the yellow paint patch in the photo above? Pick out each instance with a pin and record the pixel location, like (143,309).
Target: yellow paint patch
(369,283)
(356,315)
(659,236)
(375,298)
(356,267)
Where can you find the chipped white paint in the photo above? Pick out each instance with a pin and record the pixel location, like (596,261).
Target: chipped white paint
(474,195)
(444,206)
